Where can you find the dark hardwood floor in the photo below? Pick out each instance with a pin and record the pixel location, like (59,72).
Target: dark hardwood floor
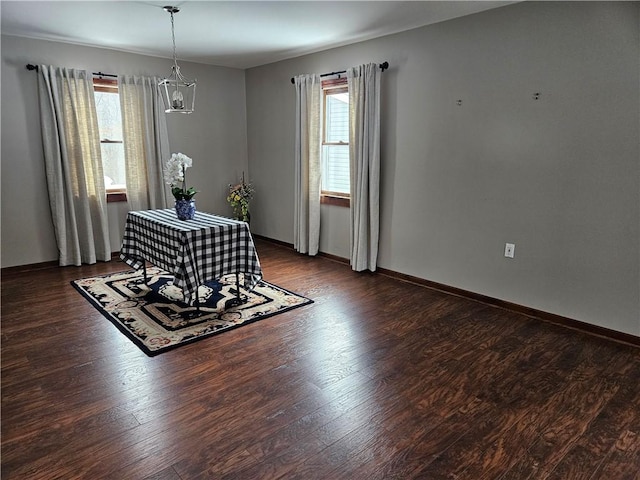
(378,379)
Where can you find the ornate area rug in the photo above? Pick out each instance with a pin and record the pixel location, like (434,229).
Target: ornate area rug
(154,317)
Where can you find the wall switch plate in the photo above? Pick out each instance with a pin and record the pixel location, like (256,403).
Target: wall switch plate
(509,250)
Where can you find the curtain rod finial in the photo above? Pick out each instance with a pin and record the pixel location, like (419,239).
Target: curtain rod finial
(32,67)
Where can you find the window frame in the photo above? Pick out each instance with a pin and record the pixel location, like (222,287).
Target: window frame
(332,87)
(108,85)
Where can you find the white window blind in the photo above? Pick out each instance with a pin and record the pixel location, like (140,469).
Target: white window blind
(110,126)
(335,146)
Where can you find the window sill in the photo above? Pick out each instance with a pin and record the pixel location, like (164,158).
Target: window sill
(335,200)
(113,197)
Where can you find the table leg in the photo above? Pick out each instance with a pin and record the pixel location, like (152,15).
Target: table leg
(197,301)
(236,301)
(144,271)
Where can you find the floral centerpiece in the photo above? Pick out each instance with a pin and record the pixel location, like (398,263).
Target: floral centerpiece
(175,174)
(239,197)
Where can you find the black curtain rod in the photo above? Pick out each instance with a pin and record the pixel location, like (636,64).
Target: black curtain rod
(98,74)
(383,66)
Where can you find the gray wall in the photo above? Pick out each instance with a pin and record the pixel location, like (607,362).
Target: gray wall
(559,177)
(214,136)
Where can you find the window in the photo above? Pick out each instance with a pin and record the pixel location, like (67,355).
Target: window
(111,144)
(335,143)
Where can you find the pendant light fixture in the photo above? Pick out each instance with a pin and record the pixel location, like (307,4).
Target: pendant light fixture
(179,93)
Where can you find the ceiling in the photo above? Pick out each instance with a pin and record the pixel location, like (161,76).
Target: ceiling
(239,34)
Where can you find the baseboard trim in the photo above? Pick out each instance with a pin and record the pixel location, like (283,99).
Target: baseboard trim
(553,318)
(272,240)
(32,267)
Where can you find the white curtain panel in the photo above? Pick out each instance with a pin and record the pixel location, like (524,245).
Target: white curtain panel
(73,163)
(306,235)
(364,152)
(146,143)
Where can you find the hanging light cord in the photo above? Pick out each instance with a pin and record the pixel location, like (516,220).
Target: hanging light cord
(175,67)
(173,39)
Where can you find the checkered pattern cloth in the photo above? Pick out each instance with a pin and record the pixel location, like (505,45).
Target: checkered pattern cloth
(193,251)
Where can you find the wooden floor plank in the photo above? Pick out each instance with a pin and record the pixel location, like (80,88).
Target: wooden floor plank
(598,441)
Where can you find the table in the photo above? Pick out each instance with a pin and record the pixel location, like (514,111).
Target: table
(193,251)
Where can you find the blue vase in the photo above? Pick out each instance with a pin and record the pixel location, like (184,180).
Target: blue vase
(186,209)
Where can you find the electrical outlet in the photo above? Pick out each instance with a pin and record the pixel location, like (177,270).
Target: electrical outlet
(509,250)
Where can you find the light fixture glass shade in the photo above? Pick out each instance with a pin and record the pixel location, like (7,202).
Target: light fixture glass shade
(179,94)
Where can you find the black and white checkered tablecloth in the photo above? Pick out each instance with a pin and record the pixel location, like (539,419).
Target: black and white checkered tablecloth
(194,251)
